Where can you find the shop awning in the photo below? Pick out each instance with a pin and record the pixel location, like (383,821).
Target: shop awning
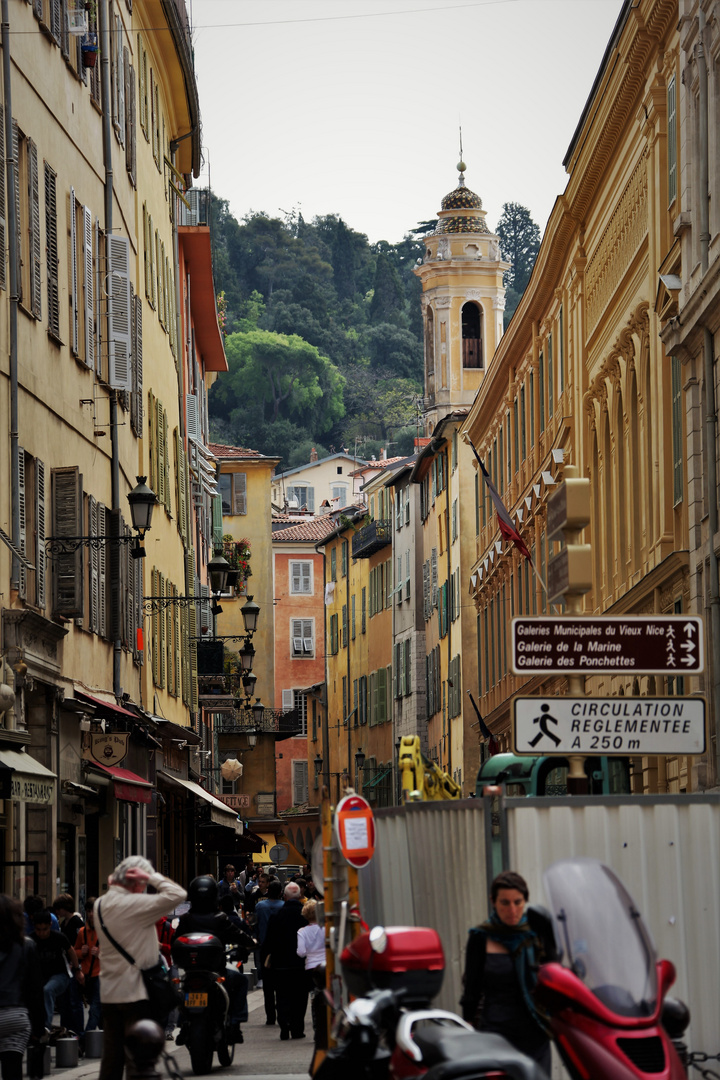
(30,781)
(269,840)
(220,814)
(128,786)
(177,732)
(105,707)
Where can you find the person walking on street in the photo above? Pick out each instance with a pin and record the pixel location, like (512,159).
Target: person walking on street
(229,886)
(128,914)
(311,946)
(55,953)
(287,967)
(263,913)
(88,951)
(501,961)
(22,1009)
(70,1005)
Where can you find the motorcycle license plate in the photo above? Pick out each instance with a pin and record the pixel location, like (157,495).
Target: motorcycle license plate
(196,1001)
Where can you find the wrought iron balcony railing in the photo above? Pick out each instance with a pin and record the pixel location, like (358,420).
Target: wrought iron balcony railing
(372,537)
(274,721)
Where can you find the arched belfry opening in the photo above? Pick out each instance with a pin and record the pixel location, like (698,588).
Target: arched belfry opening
(430,350)
(472,335)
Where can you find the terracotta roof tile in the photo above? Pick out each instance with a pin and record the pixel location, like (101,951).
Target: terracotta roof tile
(225,452)
(315,530)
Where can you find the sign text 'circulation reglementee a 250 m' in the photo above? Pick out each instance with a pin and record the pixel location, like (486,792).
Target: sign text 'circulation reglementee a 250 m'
(622,645)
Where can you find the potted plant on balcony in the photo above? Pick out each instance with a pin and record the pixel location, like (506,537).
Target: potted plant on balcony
(89,48)
(237,553)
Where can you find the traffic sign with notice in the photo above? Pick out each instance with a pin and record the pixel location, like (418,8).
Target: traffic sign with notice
(355,829)
(623,645)
(608,726)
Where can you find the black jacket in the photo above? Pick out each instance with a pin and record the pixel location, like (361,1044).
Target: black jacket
(21,982)
(281,938)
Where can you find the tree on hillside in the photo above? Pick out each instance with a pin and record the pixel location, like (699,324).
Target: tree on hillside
(279,376)
(388,302)
(519,245)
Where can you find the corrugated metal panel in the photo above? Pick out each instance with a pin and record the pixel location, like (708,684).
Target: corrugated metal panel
(667,851)
(429,870)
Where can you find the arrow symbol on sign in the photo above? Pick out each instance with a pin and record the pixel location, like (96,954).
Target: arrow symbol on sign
(689,628)
(688,660)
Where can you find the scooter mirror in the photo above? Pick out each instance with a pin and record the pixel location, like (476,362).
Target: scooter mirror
(541,924)
(378,939)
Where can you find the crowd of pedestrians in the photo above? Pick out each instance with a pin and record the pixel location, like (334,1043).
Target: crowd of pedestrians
(87,969)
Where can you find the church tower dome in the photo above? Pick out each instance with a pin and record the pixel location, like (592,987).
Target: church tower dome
(463,300)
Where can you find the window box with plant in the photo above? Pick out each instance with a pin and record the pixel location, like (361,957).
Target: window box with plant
(237,553)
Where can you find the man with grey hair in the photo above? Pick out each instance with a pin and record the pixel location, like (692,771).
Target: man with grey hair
(288,969)
(126,916)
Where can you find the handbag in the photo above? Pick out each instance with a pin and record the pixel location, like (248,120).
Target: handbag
(163,994)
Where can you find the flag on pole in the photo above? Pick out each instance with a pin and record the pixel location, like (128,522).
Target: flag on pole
(484,729)
(504,520)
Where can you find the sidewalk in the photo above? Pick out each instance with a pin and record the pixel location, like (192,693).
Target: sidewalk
(262,1053)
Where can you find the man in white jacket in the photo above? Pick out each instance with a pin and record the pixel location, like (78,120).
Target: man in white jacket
(130,914)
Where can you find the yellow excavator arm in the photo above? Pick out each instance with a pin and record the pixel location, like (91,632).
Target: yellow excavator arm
(421,778)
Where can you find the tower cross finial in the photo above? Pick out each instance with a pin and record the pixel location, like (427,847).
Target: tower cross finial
(461,167)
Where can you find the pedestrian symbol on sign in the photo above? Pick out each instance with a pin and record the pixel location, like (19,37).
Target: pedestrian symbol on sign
(543,722)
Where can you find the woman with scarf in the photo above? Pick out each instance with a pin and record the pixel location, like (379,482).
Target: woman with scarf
(501,960)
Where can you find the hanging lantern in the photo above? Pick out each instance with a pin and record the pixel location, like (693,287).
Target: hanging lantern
(231,769)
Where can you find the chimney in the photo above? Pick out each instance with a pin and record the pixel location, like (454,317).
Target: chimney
(313,454)
(382,454)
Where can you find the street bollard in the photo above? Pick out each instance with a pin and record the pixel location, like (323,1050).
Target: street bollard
(144,1042)
(94,1043)
(66,1053)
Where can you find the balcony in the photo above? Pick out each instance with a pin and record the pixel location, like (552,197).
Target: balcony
(371,538)
(274,722)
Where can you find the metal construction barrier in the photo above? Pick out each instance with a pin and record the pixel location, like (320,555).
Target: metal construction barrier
(434,862)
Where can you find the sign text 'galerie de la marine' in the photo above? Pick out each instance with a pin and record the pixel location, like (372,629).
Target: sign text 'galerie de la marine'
(645,645)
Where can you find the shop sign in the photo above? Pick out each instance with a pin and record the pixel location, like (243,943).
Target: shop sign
(235,802)
(32,789)
(106,749)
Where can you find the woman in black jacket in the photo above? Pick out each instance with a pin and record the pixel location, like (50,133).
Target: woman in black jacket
(22,1009)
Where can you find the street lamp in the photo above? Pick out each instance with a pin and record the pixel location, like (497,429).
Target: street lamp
(258,712)
(318,762)
(250,612)
(218,568)
(359,762)
(247,655)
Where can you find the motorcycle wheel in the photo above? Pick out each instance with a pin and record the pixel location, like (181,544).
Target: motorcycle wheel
(200,1045)
(225,1051)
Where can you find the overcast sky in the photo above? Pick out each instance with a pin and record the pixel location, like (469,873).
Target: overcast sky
(353,107)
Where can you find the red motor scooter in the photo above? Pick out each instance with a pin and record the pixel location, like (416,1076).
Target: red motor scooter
(605,1002)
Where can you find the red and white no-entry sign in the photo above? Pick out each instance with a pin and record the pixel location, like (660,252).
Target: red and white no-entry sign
(355,830)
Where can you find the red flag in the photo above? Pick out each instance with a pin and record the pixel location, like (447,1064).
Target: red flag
(504,520)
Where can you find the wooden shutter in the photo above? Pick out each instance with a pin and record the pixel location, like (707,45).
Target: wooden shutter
(114,585)
(300,782)
(51,242)
(136,400)
(239,493)
(373,698)
(40,532)
(89,291)
(120,370)
(74,343)
(288,700)
(22,584)
(18,232)
(165,460)
(103,627)
(93,559)
(406,667)
(160,448)
(192,423)
(381,692)
(67,521)
(217,521)
(35,253)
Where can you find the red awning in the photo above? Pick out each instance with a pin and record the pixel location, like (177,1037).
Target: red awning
(106,706)
(129,787)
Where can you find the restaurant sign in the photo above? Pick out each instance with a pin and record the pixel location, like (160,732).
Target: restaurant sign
(106,749)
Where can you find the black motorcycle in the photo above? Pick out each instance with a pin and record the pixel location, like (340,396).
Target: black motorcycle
(204,1013)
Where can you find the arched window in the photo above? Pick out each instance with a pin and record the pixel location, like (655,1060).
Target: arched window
(472,335)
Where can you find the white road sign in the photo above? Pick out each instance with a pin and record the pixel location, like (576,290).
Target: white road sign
(608,725)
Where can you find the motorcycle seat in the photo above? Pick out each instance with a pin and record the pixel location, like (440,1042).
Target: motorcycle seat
(452,1055)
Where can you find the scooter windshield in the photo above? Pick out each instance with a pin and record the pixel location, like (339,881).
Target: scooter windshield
(602,935)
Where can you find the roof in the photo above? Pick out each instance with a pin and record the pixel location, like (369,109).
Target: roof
(237,453)
(317,529)
(381,463)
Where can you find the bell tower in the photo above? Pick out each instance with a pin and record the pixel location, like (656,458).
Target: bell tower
(463,299)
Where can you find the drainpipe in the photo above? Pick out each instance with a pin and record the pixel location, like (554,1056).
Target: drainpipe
(448,512)
(104,30)
(351,712)
(13,264)
(709,378)
(325,724)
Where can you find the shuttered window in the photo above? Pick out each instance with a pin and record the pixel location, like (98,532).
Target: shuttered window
(67,516)
(300,782)
(34,223)
(119,321)
(301,578)
(672,139)
(677,436)
(3,205)
(302,637)
(51,248)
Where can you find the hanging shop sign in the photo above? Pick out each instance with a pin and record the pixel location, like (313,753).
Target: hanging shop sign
(106,749)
